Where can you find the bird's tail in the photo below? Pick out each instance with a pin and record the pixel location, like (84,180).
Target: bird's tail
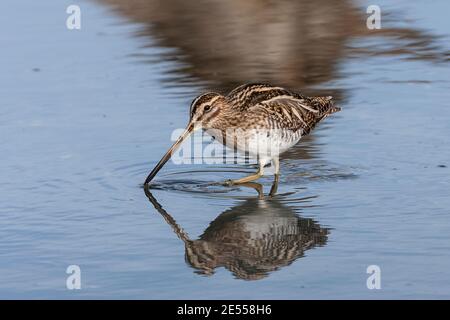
(334,109)
(325,105)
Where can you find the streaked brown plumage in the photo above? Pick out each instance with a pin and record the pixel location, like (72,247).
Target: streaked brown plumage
(255,118)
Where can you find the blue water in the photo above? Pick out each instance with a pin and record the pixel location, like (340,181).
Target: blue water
(85,115)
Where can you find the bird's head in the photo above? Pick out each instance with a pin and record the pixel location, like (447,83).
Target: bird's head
(207,112)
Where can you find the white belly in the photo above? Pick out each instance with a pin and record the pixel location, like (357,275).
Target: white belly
(263,144)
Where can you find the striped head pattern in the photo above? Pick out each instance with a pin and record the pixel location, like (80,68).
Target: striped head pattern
(206,108)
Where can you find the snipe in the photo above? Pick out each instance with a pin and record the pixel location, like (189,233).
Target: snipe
(259,119)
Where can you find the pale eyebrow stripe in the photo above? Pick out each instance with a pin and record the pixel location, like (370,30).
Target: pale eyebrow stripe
(195,101)
(210,101)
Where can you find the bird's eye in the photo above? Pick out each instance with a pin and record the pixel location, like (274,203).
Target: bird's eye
(207,108)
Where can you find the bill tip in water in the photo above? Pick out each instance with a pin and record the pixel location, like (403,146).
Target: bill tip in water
(147,181)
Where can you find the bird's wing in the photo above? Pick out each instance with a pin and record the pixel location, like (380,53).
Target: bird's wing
(281,107)
(249,95)
(287,112)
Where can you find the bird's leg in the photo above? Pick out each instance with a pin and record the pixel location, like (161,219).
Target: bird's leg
(257,186)
(250,178)
(274,188)
(276,164)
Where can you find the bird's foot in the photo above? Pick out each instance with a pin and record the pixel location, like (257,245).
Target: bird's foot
(274,188)
(228,183)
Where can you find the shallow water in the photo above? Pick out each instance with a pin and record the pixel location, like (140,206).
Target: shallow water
(86,114)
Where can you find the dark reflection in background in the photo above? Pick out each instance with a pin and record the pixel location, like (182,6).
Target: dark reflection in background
(297,44)
(251,240)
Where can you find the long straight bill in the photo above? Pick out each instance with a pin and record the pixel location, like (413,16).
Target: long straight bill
(187,132)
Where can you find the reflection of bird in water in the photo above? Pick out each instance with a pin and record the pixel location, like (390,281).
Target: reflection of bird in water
(252,239)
